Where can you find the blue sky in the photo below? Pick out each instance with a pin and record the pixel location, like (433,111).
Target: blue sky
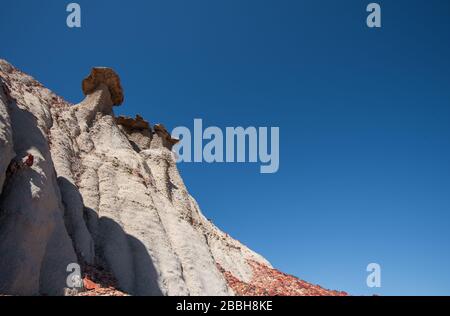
(363,114)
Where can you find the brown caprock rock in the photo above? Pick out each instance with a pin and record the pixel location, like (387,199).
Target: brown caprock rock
(106,76)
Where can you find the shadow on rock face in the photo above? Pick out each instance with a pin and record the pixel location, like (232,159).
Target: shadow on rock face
(40,236)
(34,246)
(125,256)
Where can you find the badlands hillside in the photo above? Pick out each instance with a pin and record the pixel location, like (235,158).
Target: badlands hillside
(79,185)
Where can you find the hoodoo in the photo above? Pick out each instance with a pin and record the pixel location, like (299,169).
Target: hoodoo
(104,194)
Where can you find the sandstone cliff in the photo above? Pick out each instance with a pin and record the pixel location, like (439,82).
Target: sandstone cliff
(78,185)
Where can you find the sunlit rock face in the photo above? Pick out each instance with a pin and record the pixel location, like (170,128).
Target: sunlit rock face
(78,185)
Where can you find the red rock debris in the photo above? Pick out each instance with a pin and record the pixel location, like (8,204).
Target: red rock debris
(271,282)
(99,282)
(90,285)
(103,292)
(19,164)
(29,160)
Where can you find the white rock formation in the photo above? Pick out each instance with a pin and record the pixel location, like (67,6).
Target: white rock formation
(101,190)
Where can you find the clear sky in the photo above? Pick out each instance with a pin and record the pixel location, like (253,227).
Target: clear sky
(363,114)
